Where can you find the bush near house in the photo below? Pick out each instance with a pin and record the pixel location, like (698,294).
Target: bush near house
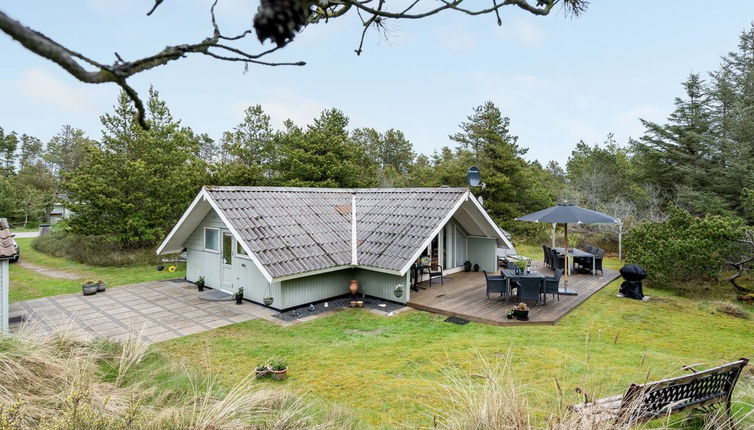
(93,250)
(684,249)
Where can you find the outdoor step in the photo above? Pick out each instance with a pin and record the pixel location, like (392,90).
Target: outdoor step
(215,296)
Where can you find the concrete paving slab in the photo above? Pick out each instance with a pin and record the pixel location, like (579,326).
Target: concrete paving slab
(161,310)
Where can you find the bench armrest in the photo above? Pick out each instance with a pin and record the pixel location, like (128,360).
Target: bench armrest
(588,398)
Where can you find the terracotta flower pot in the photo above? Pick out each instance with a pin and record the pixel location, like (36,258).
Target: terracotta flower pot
(353,287)
(279,374)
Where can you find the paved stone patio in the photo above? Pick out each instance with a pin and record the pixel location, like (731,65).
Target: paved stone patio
(160,310)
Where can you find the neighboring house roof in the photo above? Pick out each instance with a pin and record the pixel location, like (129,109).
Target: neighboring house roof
(7,249)
(57,209)
(289,231)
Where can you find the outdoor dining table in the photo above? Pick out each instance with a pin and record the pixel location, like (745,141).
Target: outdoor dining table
(511,275)
(575,252)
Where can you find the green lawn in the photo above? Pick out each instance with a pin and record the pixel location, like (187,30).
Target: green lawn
(26,284)
(386,371)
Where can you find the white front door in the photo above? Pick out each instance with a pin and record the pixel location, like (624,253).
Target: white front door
(226,257)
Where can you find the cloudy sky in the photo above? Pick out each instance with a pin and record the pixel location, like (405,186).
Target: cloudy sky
(558,79)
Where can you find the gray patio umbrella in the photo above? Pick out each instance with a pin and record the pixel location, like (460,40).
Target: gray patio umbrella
(568,213)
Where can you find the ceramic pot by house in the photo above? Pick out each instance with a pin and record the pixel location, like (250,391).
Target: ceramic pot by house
(353,287)
(239,299)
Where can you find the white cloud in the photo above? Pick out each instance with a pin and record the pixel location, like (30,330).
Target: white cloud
(532,81)
(42,87)
(458,39)
(648,112)
(114,5)
(281,107)
(523,31)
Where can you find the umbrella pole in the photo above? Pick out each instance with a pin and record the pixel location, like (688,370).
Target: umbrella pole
(620,242)
(554,227)
(567,267)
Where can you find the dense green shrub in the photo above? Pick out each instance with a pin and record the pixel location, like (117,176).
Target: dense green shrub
(92,250)
(683,249)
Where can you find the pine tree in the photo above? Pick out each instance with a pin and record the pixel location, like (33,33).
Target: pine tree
(323,155)
(134,184)
(509,190)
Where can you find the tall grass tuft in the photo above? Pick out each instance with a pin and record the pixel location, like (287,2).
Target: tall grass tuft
(491,398)
(61,382)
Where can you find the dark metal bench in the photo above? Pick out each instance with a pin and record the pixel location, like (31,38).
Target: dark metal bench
(644,402)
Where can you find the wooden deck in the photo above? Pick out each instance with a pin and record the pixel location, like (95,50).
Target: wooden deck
(463,296)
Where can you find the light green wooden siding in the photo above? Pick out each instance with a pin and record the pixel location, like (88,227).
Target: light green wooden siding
(482,251)
(378,284)
(309,289)
(209,264)
(4,286)
(300,291)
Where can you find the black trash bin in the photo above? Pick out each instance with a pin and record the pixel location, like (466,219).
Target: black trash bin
(632,287)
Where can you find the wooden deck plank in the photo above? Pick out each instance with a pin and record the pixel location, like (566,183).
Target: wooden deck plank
(463,296)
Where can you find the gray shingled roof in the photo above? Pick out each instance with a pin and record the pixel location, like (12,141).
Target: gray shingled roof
(296,230)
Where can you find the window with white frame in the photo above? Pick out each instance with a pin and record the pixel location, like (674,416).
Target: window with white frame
(211,239)
(240,251)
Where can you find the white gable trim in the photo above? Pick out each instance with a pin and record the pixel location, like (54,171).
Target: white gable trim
(235,234)
(435,232)
(492,223)
(161,249)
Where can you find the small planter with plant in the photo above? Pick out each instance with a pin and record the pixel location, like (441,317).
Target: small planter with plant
(262,371)
(200,283)
(89,288)
(278,369)
(398,291)
(101,287)
(239,296)
(268,300)
(519,312)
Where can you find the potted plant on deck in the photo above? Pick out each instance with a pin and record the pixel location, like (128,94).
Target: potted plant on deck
(520,312)
(278,369)
(89,288)
(239,296)
(200,283)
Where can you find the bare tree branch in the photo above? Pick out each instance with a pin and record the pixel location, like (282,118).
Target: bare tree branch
(275,20)
(743,263)
(118,72)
